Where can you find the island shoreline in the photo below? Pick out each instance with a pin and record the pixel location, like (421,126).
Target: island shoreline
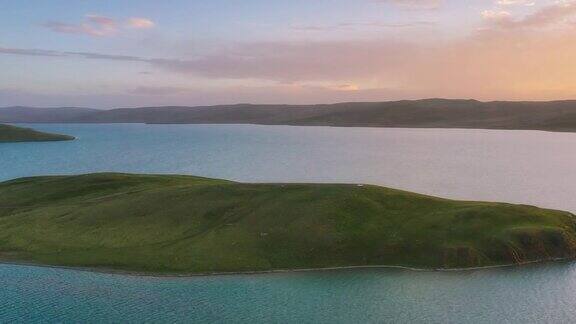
(129,273)
(102,204)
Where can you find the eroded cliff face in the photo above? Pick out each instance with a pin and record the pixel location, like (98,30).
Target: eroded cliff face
(515,246)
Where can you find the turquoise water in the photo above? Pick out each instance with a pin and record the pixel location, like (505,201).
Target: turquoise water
(536,294)
(516,166)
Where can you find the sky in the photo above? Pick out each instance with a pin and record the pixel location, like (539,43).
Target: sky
(129,53)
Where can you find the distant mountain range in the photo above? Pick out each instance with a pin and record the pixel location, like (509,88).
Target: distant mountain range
(427,113)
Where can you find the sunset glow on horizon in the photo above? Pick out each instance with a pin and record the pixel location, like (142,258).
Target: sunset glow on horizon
(111,53)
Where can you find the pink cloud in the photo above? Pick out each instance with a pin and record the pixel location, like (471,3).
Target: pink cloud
(97,25)
(93,25)
(554,14)
(101,20)
(140,23)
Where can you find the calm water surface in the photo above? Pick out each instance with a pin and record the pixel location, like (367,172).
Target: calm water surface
(535,294)
(516,166)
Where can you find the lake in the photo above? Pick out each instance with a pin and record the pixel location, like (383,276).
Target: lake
(528,167)
(535,294)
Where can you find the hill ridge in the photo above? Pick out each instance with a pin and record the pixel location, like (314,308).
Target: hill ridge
(425,113)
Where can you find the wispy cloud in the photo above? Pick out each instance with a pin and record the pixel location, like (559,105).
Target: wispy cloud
(29,52)
(515,2)
(87,55)
(275,61)
(98,26)
(140,23)
(93,25)
(558,13)
(159,90)
(414,4)
(347,25)
(99,56)
(295,61)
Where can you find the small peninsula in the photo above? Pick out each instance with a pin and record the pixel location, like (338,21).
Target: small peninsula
(11,134)
(168,224)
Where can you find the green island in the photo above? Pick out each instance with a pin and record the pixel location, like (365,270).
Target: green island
(169,224)
(11,134)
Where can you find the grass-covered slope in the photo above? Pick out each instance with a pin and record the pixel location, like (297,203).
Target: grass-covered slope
(10,134)
(186,224)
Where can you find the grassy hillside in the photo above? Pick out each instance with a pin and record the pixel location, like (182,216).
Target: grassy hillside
(429,113)
(10,133)
(187,224)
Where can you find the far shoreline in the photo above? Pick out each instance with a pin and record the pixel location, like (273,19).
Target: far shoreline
(297,125)
(552,115)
